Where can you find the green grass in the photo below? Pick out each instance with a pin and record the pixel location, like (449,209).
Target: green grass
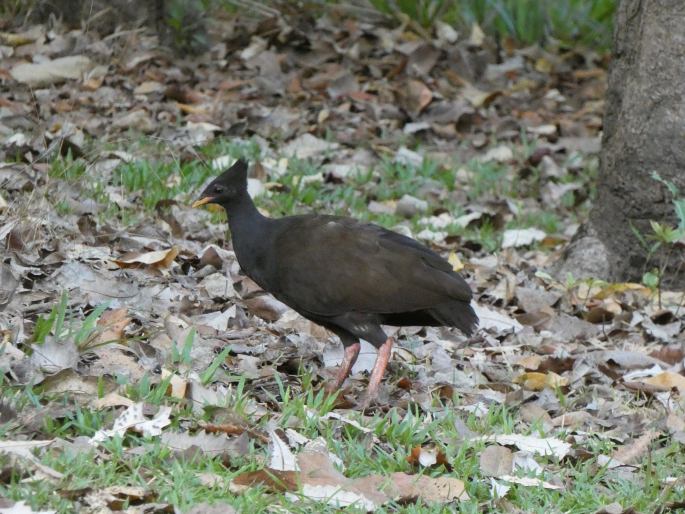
(302,189)
(175,479)
(527,21)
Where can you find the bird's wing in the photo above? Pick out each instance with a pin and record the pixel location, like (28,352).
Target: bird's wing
(329,265)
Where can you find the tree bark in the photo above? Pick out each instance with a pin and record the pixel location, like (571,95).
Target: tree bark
(644,132)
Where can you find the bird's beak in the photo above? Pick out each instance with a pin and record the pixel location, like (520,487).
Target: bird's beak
(202,201)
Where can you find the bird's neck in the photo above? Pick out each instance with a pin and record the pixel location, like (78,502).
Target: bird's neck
(249,229)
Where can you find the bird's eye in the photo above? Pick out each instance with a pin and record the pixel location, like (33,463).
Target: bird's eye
(219,189)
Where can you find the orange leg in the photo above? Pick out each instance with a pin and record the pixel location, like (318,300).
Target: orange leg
(378,371)
(351,354)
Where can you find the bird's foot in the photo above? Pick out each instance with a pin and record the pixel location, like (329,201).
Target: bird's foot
(377,375)
(351,354)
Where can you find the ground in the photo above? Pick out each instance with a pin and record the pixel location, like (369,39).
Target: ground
(141,371)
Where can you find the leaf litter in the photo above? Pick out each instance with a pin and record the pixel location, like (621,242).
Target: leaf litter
(574,361)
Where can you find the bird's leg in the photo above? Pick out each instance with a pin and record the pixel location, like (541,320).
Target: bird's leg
(378,371)
(351,354)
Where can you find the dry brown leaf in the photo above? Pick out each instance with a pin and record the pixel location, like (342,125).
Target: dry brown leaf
(208,444)
(532,412)
(118,496)
(112,324)
(428,457)
(417,96)
(111,400)
(496,461)
(177,385)
(535,381)
(155,259)
(274,479)
(529,482)
(535,445)
(667,380)
(630,453)
(266,307)
(530,362)
(321,481)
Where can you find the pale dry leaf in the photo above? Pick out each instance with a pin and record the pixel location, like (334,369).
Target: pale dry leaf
(522,237)
(668,380)
(177,384)
(321,481)
(526,462)
(217,320)
(208,444)
(112,324)
(23,448)
(155,259)
(496,461)
(408,157)
(307,146)
(133,419)
(530,482)
(51,72)
(22,508)
(535,445)
(535,381)
(489,319)
(54,355)
(280,456)
(348,421)
(111,400)
(630,453)
(478,98)
(418,96)
(497,489)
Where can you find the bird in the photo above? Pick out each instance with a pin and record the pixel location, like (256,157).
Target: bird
(348,276)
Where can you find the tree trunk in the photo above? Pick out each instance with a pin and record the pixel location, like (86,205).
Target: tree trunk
(644,132)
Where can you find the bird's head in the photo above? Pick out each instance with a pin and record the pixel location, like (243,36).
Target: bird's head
(226,187)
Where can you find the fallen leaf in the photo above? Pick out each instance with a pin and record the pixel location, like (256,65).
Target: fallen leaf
(177,385)
(417,96)
(156,259)
(112,324)
(535,445)
(307,145)
(530,482)
(133,419)
(320,481)
(208,444)
(490,319)
(280,456)
(500,153)
(534,381)
(496,461)
(52,72)
(630,453)
(668,380)
(428,457)
(22,508)
(521,237)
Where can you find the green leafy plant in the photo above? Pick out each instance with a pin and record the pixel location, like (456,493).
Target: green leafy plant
(527,21)
(62,325)
(664,237)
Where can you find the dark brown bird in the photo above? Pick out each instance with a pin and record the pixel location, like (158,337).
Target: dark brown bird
(348,276)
